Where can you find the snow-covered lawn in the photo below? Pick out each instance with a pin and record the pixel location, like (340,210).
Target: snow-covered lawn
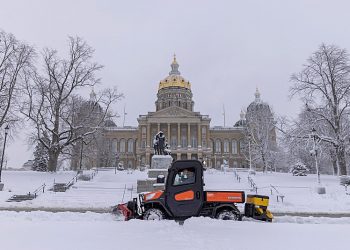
(91,231)
(107,189)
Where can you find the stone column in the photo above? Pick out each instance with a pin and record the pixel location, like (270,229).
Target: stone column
(169,133)
(148,135)
(199,134)
(178,135)
(208,142)
(158,127)
(189,135)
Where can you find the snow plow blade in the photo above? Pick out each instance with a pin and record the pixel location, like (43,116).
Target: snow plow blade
(126,210)
(122,211)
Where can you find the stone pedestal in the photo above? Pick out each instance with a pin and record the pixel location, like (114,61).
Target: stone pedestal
(1,186)
(159,166)
(161,161)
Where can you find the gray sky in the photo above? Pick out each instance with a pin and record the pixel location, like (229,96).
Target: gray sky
(225,48)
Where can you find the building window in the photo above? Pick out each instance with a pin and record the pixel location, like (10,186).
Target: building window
(122,146)
(173,142)
(114,145)
(130,145)
(194,142)
(226,146)
(241,146)
(143,131)
(204,143)
(217,146)
(234,147)
(184,142)
(212,145)
(143,144)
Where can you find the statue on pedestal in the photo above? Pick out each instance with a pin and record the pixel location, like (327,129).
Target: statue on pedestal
(160,144)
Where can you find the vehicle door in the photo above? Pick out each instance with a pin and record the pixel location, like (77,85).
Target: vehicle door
(184,189)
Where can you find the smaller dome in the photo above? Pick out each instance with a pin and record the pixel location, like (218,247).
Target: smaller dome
(242,122)
(258,104)
(109,123)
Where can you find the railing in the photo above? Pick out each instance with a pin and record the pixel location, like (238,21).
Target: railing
(72,181)
(252,184)
(236,175)
(39,189)
(278,194)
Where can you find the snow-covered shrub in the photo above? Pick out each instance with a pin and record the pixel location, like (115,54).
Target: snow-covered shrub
(299,169)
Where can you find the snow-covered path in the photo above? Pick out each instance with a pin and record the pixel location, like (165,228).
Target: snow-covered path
(74,231)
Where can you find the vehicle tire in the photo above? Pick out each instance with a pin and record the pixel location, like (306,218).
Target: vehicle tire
(227,215)
(153,214)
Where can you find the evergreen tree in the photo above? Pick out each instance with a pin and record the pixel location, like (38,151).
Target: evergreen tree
(40,158)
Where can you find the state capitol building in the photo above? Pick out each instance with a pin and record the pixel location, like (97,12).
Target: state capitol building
(188,132)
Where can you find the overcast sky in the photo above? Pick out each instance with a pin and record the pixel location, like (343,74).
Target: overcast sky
(225,48)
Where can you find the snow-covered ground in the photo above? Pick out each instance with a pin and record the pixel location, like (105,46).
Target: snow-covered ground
(66,230)
(91,231)
(107,189)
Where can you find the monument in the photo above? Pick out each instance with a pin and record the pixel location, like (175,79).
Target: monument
(160,163)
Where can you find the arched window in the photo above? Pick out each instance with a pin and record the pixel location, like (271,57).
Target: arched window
(217,146)
(241,146)
(130,145)
(234,146)
(226,146)
(122,146)
(114,145)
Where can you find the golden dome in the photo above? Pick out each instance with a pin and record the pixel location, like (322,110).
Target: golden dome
(174,79)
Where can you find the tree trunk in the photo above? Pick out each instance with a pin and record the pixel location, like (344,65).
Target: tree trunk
(334,162)
(264,162)
(341,160)
(52,163)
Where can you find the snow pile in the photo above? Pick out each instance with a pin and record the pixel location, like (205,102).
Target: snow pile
(89,231)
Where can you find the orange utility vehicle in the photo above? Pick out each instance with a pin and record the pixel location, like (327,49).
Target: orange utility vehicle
(184,197)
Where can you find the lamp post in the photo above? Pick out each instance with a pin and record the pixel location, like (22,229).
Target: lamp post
(3,152)
(315,137)
(81,155)
(314,152)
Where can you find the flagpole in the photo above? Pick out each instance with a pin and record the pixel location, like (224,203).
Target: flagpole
(223,106)
(124,113)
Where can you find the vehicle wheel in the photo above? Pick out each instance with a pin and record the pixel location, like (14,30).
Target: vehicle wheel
(227,215)
(153,214)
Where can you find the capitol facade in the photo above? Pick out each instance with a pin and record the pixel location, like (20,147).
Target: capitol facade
(188,132)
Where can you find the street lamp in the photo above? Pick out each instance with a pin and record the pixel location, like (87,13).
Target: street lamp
(314,152)
(81,154)
(320,190)
(3,152)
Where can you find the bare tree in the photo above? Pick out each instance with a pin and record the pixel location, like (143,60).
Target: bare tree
(297,138)
(16,59)
(324,85)
(51,92)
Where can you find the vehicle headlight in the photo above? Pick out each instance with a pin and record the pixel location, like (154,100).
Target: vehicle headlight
(150,196)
